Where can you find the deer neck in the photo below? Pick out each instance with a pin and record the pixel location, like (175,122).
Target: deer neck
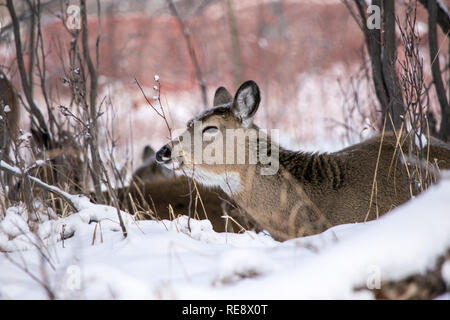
(280,202)
(310,171)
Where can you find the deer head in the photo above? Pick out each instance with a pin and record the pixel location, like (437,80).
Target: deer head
(220,144)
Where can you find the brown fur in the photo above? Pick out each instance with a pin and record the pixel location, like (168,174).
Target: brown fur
(156,197)
(150,170)
(310,192)
(153,188)
(63,166)
(8,128)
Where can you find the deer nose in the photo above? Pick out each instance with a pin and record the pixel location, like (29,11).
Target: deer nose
(164,155)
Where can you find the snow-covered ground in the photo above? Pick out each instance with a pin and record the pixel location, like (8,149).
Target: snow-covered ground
(164,260)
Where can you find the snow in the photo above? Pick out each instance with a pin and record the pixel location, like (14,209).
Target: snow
(187,259)
(5,165)
(26,136)
(242,263)
(446,272)
(445,296)
(40,162)
(420,140)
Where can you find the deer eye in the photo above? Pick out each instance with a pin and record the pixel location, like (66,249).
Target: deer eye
(210,129)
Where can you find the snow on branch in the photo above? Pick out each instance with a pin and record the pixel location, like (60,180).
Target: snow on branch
(72,200)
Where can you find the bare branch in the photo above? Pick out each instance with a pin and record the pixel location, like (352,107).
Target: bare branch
(442,18)
(16,172)
(191,50)
(383,57)
(93,127)
(26,83)
(389,57)
(444,131)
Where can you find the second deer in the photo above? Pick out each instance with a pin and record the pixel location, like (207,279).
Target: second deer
(155,189)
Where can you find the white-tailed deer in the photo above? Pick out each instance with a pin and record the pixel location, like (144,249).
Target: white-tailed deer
(150,170)
(154,187)
(309,192)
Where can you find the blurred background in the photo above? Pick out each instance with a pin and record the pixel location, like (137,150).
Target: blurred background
(86,86)
(308,57)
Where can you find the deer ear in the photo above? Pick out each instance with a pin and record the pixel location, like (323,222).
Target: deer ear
(222,96)
(147,153)
(246,102)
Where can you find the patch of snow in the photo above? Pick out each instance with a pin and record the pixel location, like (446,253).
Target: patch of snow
(420,140)
(15,233)
(40,162)
(445,296)
(25,137)
(187,259)
(244,263)
(14,223)
(446,272)
(421,28)
(110,282)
